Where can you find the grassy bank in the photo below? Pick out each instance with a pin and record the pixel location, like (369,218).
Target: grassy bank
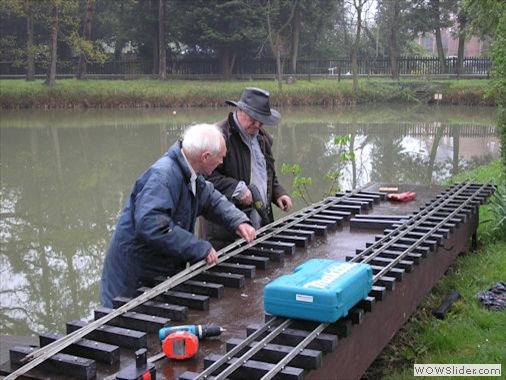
(470,333)
(74,94)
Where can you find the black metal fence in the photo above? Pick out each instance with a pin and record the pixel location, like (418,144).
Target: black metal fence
(262,68)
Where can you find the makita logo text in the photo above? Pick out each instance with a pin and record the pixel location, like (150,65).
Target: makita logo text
(330,275)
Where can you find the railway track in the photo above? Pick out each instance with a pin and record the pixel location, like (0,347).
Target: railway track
(280,347)
(434,218)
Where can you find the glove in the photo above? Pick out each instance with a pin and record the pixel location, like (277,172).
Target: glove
(402,197)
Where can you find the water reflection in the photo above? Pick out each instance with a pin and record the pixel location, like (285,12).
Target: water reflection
(405,152)
(65,176)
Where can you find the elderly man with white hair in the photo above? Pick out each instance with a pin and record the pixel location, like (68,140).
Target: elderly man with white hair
(154,235)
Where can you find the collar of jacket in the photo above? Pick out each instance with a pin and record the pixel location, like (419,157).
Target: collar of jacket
(176,154)
(234,128)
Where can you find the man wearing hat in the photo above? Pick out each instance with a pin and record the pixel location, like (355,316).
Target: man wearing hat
(247,175)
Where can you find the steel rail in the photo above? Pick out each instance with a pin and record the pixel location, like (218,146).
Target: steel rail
(37,357)
(431,231)
(223,359)
(406,227)
(285,223)
(294,352)
(400,231)
(247,355)
(45,352)
(213,367)
(411,224)
(290,220)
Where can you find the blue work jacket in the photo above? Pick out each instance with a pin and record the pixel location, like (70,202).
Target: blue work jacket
(154,235)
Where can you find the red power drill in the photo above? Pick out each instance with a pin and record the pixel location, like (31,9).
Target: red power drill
(182,342)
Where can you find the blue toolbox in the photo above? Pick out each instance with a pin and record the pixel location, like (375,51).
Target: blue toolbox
(319,290)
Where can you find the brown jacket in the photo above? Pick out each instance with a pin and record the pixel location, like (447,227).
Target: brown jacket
(237,167)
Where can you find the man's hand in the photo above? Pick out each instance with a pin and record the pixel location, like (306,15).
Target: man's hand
(246,198)
(247,232)
(284,203)
(212,257)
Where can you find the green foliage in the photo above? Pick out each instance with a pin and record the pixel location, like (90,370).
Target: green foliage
(9,48)
(413,49)
(299,183)
(497,207)
(501,126)
(345,155)
(215,24)
(227,29)
(94,51)
(318,18)
(484,16)
(117,22)
(393,36)
(489,20)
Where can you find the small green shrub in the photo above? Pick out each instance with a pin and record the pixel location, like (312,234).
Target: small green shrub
(497,207)
(300,184)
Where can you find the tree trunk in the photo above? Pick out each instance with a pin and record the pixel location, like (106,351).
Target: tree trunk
(227,58)
(276,41)
(394,66)
(279,69)
(51,72)
(354,69)
(224,62)
(30,59)
(232,62)
(120,42)
(358,4)
(460,54)
(462,42)
(433,152)
(154,37)
(437,32)
(162,62)
(295,40)
(353,160)
(456,151)
(394,13)
(81,67)
(440,52)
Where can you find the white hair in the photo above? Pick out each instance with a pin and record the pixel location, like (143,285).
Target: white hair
(199,138)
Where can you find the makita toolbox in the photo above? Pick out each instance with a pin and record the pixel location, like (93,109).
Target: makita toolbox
(319,290)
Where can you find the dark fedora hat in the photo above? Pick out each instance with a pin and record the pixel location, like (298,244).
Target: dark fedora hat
(255,102)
